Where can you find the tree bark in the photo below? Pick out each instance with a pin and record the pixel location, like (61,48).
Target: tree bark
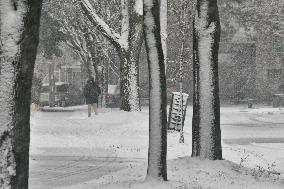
(157,154)
(128,45)
(129,59)
(164,28)
(51,78)
(206,132)
(19,40)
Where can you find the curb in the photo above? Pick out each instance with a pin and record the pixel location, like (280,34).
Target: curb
(59,109)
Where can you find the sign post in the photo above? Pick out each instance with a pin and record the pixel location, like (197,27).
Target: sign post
(177,111)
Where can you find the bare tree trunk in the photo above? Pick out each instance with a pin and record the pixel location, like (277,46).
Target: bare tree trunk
(157,154)
(164,27)
(87,67)
(51,70)
(104,85)
(129,83)
(19,40)
(129,59)
(206,132)
(128,45)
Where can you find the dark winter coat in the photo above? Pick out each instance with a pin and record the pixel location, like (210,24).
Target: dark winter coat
(92,92)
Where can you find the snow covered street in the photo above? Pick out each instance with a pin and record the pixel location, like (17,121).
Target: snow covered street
(70,150)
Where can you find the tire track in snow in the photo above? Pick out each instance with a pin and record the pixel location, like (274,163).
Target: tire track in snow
(266,122)
(62,167)
(257,123)
(83,170)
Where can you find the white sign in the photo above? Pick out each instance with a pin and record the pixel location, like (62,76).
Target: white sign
(177,111)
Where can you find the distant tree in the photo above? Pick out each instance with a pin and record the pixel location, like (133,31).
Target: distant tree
(62,24)
(38,77)
(179,64)
(206,132)
(77,32)
(257,16)
(19,25)
(52,86)
(264,21)
(128,45)
(50,38)
(261,23)
(50,34)
(65,23)
(157,154)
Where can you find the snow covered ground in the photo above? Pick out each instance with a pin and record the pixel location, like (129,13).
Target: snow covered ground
(70,150)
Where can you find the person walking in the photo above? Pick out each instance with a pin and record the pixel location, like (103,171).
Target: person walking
(91,93)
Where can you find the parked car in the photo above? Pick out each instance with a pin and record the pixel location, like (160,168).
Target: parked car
(60,94)
(278,98)
(65,94)
(113,96)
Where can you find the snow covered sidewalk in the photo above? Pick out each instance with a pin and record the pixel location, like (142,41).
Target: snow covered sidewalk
(188,173)
(63,138)
(71,108)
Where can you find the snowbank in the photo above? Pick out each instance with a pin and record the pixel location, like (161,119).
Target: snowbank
(186,173)
(248,141)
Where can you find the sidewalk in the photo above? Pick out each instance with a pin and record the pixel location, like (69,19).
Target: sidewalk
(63,109)
(74,108)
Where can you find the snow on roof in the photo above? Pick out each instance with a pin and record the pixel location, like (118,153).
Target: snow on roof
(178,93)
(111,89)
(71,66)
(61,83)
(56,83)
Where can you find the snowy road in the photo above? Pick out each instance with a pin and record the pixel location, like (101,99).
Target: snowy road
(54,171)
(58,171)
(68,148)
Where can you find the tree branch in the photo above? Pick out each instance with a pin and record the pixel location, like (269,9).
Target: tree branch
(105,30)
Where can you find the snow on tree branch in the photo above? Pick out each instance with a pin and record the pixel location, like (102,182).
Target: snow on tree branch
(139,7)
(101,25)
(77,42)
(125,25)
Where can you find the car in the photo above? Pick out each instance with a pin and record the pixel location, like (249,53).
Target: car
(278,100)
(61,89)
(113,96)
